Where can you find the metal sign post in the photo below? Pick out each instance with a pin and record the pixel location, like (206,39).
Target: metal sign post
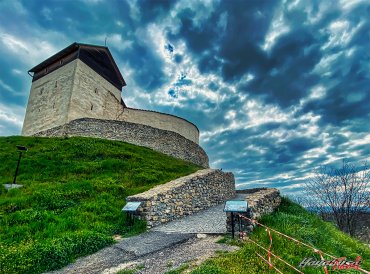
(131,208)
(21,149)
(235,206)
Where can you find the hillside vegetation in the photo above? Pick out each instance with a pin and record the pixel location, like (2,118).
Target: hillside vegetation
(72,195)
(295,221)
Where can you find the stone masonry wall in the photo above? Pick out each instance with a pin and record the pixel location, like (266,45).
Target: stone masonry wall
(163,141)
(49,98)
(261,201)
(71,92)
(162,121)
(93,96)
(185,196)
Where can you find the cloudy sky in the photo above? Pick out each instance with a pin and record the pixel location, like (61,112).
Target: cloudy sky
(276,88)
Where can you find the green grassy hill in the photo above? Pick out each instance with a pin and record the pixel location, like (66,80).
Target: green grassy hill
(74,190)
(295,221)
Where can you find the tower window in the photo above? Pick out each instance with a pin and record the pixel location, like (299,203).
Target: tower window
(91,107)
(96,90)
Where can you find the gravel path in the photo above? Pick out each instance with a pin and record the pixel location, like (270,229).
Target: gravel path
(126,250)
(190,253)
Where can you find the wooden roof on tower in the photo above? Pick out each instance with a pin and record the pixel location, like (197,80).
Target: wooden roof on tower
(98,58)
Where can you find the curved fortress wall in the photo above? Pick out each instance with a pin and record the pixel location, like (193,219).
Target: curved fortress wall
(162,121)
(164,141)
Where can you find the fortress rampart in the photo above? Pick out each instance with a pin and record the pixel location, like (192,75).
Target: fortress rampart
(162,121)
(164,141)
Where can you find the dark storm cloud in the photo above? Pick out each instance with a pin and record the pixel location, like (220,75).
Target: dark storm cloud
(256,144)
(284,75)
(289,76)
(148,67)
(11,84)
(194,111)
(281,76)
(348,93)
(83,21)
(153,10)
(358,125)
(229,38)
(254,102)
(75,16)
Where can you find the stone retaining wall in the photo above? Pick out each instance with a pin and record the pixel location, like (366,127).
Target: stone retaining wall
(261,201)
(185,196)
(164,141)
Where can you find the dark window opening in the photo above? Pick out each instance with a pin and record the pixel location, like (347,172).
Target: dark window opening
(92,107)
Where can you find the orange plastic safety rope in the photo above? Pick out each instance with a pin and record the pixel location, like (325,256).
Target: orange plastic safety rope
(269,249)
(276,256)
(322,258)
(295,240)
(271,266)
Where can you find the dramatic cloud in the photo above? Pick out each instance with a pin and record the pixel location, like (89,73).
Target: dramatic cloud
(276,88)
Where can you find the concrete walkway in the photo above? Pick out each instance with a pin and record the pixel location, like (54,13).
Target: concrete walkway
(209,221)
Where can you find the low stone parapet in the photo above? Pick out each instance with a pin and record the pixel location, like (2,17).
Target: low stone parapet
(185,196)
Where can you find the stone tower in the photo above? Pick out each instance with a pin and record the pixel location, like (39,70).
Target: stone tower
(81,81)
(77,92)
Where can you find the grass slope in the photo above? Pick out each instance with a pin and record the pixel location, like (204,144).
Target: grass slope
(295,221)
(74,190)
